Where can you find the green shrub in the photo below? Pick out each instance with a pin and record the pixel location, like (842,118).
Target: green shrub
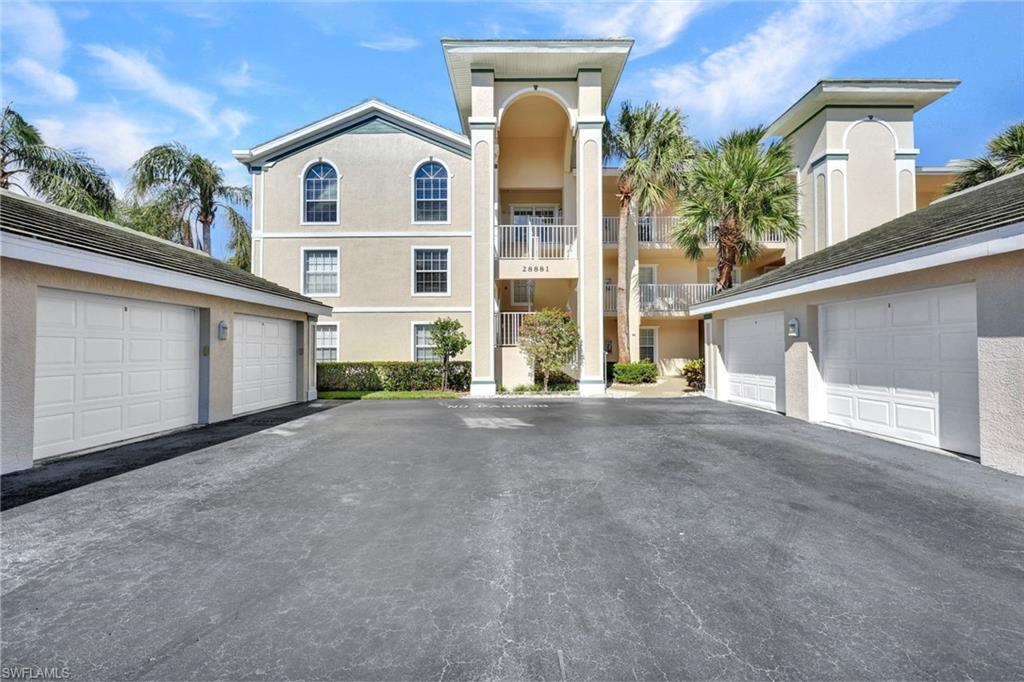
(643,372)
(391,376)
(693,372)
(552,388)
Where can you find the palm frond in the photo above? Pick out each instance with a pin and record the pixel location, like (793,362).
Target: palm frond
(240,243)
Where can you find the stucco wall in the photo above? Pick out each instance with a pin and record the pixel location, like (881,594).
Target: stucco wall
(20,282)
(385,336)
(1000,308)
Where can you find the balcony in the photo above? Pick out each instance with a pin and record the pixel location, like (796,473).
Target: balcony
(655,232)
(663,300)
(537,250)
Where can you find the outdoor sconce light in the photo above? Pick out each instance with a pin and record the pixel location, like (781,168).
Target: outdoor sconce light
(607,346)
(793,327)
(222,330)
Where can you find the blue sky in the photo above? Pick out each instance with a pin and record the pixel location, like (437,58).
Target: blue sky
(114,79)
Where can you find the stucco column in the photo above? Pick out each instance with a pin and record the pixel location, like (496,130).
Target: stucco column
(906,180)
(715,376)
(482,139)
(18,346)
(805,390)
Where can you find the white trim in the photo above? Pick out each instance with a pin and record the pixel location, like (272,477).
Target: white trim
(349,234)
(263,203)
(412,265)
(412,192)
(412,334)
(402,309)
(302,194)
(989,243)
(657,353)
(570,112)
(352,113)
(870,119)
(302,270)
(337,337)
(70,258)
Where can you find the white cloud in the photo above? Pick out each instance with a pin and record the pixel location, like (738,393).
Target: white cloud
(132,71)
(240,80)
(114,139)
(34,34)
(391,44)
(46,81)
(653,25)
(772,66)
(33,30)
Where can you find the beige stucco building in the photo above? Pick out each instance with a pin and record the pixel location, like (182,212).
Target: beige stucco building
(395,221)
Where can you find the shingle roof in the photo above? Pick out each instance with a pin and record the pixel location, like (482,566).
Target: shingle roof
(30,218)
(996,204)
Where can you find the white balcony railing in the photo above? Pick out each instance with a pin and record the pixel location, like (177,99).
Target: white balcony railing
(658,230)
(508,328)
(673,298)
(536,242)
(610,295)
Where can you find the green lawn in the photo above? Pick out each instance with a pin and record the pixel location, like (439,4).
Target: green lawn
(385,395)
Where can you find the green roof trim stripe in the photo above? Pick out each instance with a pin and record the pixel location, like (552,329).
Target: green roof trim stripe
(33,219)
(994,205)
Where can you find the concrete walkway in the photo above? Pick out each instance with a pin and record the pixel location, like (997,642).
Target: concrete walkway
(666,387)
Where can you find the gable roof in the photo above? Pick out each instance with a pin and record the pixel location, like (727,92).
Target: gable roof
(31,224)
(974,212)
(346,121)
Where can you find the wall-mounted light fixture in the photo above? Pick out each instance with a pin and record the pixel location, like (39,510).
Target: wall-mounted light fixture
(222,330)
(793,327)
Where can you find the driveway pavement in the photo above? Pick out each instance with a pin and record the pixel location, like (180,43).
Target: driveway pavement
(599,539)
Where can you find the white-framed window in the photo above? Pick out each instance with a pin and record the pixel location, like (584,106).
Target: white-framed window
(321,272)
(431,271)
(328,346)
(522,292)
(649,343)
(430,193)
(422,343)
(320,194)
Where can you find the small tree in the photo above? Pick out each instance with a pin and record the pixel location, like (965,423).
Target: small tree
(449,341)
(549,338)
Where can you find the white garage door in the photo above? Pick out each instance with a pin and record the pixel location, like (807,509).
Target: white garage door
(110,369)
(265,363)
(755,359)
(905,366)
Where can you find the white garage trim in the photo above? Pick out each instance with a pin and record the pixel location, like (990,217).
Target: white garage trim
(988,243)
(904,366)
(755,361)
(265,363)
(70,258)
(110,369)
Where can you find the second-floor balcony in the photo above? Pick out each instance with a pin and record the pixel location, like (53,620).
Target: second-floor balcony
(657,232)
(539,249)
(663,299)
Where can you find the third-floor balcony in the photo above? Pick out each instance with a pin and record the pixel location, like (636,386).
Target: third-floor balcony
(663,299)
(656,232)
(538,249)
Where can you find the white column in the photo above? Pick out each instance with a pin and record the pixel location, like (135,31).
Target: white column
(591,278)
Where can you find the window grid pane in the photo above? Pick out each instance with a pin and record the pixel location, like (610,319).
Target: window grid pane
(326,343)
(431,275)
(424,345)
(321,194)
(320,271)
(647,344)
(431,188)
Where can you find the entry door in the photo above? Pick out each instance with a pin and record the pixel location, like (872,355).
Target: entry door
(905,366)
(755,360)
(110,369)
(266,359)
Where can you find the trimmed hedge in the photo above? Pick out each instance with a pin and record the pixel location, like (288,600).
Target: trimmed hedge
(643,372)
(391,376)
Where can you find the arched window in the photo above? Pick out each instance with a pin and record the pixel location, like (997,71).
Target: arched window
(431,187)
(320,194)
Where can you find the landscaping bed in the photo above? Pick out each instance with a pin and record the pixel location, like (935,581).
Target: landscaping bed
(387,395)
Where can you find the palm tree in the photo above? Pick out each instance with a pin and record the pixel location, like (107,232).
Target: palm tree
(737,192)
(66,178)
(1005,155)
(654,148)
(189,186)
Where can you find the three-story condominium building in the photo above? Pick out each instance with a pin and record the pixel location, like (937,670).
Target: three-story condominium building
(395,221)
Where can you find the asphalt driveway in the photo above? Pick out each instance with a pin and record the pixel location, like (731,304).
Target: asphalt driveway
(563,539)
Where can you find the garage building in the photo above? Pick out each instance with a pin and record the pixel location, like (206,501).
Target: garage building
(108,335)
(913,330)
